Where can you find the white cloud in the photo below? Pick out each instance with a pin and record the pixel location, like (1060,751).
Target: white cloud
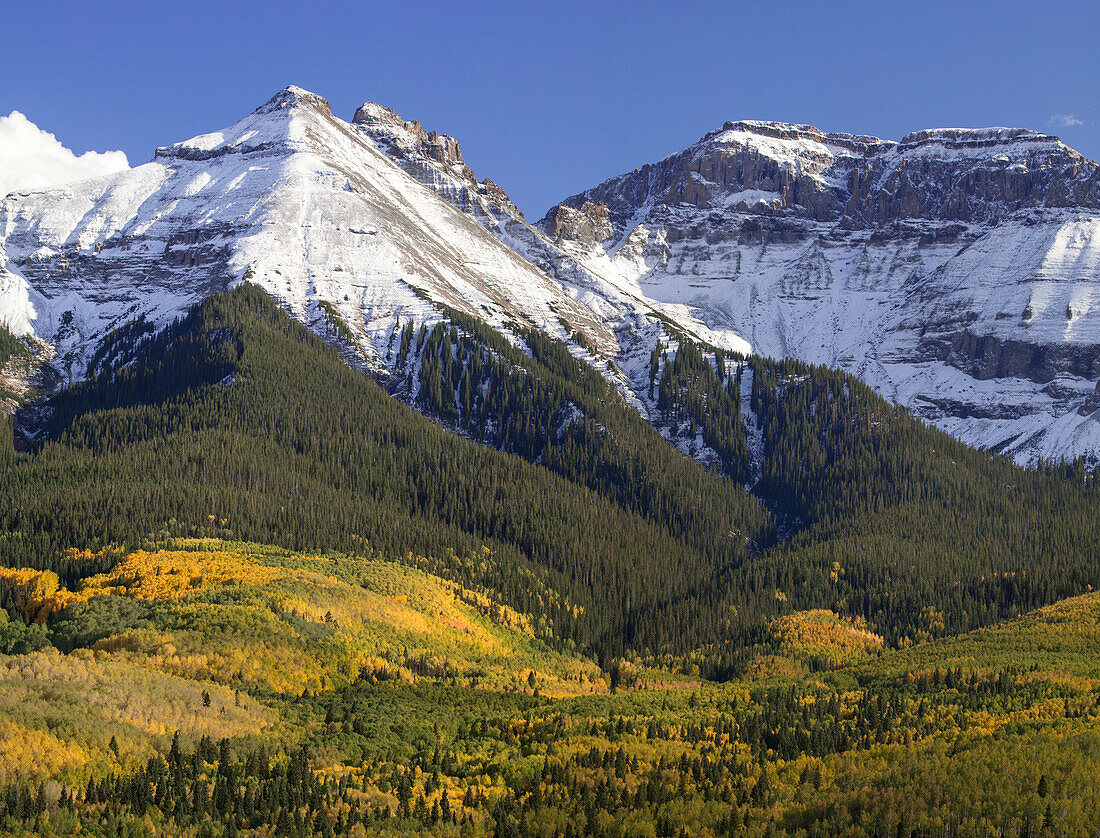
(1065,120)
(31,158)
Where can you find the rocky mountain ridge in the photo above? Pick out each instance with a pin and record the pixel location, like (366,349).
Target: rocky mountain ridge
(945,175)
(953,270)
(290,198)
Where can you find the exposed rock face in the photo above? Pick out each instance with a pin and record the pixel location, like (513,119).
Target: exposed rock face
(432,158)
(589,224)
(990,357)
(799,171)
(956,270)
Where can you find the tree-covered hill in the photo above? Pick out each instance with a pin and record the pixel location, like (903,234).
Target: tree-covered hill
(888,520)
(238,422)
(873,513)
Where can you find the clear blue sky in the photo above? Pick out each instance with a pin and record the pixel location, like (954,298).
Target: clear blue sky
(549,98)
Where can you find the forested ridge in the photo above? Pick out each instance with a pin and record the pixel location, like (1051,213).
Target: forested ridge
(237,421)
(551,408)
(888,520)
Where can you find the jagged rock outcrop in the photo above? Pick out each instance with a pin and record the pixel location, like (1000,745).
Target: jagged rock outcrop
(432,158)
(588,224)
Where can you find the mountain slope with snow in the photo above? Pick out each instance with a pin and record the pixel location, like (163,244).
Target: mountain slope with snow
(290,198)
(954,271)
(637,320)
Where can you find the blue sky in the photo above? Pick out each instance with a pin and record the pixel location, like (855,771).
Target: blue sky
(549,98)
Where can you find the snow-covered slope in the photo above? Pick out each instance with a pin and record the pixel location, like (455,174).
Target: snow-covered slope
(435,160)
(955,271)
(290,198)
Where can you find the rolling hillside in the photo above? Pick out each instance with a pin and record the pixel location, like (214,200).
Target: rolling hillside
(428,710)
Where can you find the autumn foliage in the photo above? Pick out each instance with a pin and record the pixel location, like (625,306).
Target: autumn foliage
(164,574)
(823,637)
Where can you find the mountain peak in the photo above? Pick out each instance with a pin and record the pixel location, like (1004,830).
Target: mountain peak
(953,139)
(953,270)
(790,130)
(958,138)
(793,132)
(370,113)
(293,96)
(267,127)
(950,175)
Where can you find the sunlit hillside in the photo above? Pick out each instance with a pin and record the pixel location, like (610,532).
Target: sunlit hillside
(398,702)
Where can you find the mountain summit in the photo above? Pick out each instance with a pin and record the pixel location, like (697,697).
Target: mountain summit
(952,174)
(290,198)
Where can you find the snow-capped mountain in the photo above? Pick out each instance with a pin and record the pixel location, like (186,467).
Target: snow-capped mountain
(953,270)
(956,271)
(290,198)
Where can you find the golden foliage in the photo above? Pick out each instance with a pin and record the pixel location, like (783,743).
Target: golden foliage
(167,574)
(164,574)
(1060,639)
(37,593)
(828,638)
(310,621)
(58,712)
(28,753)
(294,622)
